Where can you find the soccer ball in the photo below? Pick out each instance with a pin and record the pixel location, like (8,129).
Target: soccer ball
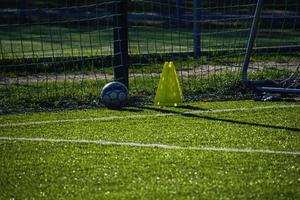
(114,95)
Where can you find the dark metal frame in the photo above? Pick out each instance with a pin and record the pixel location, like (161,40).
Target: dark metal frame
(120,34)
(197,28)
(255,83)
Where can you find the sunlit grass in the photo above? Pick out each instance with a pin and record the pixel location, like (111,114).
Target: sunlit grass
(73,170)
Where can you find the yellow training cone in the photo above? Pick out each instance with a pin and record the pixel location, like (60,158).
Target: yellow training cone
(168,92)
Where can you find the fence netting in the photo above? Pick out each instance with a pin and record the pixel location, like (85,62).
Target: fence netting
(276,53)
(54,53)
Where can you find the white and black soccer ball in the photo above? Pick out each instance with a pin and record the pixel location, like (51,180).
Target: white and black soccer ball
(114,95)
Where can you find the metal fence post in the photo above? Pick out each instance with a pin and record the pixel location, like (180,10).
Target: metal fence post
(23,16)
(120,35)
(197,28)
(178,9)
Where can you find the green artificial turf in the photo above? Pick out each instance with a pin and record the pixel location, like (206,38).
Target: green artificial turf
(62,170)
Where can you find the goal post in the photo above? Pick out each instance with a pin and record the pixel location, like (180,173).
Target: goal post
(290,84)
(251,39)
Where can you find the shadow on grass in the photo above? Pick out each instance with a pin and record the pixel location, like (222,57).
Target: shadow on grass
(220,119)
(191,107)
(130,109)
(172,111)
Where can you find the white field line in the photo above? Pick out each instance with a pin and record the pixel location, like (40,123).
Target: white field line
(161,146)
(145,116)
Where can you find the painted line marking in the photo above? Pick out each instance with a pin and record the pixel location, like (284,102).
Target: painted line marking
(161,146)
(145,116)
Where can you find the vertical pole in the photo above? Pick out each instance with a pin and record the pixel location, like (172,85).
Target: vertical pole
(120,35)
(197,28)
(251,39)
(178,9)
(23,16)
